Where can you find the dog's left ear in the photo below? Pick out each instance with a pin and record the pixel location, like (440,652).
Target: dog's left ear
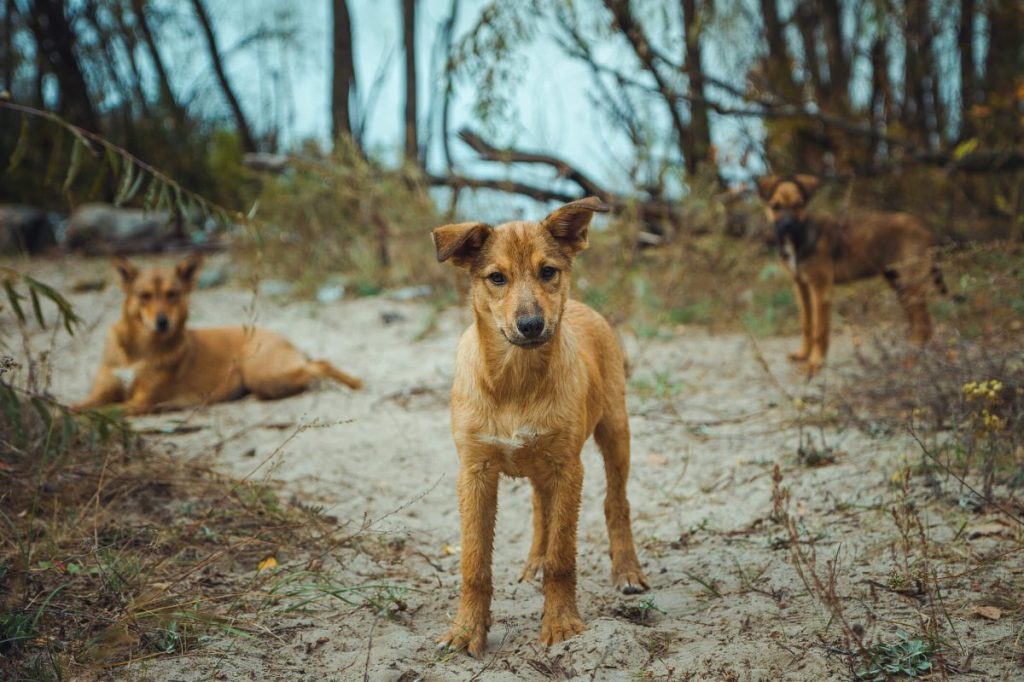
(188,267)
(460,242)
(570,224)
(809,182)
(766,184)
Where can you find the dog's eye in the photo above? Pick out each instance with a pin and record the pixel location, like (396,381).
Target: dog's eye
(547,273)
(497,278)
(172,295)
(145,296)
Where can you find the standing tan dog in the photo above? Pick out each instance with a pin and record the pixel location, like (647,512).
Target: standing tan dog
(820,252)
(151,361)
(535,375)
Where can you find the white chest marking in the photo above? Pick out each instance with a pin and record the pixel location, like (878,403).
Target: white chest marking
(510,444)
(125,376)
(789,254)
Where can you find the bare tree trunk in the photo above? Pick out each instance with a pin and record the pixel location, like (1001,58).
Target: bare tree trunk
(838,65)
(166,92)
(968,79)
(698,142)
(130,42)
(448,31)
(780,71)
(56,41)
(637,38)
(412,145)
(241,122)
(343,75)
(8,47)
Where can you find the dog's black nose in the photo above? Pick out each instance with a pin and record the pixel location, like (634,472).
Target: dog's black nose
(531,326)
(161,323)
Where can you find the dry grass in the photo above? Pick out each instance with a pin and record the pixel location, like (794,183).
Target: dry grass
(114,551)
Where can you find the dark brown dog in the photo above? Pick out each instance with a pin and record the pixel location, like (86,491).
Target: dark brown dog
(819,252)
(535,375)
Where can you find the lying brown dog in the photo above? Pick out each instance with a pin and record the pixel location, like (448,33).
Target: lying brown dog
(151,361)
(535,375)
(820,252)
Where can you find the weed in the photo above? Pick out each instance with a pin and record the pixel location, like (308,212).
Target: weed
(906,657)
(640,612)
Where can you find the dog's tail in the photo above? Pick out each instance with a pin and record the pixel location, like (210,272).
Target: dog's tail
(324,369)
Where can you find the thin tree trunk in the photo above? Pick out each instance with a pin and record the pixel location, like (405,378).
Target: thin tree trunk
(448,31)
(56,42)
(779,68)
(343,74)
(637,38)
(130,42)
(241,122)
(8,47)
(409,40)
(838,66)
(968,79)
(699,140)
(166,91)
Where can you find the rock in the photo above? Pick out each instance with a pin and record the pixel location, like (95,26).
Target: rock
(266,162)
(99,228)
(409,293)
(211,277)
(274,287)
(330,293)
(24,229)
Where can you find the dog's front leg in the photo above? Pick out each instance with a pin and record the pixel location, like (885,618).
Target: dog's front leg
(478,507)
(561,617)
(802,294)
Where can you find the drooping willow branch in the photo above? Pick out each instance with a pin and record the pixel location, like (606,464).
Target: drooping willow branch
(131,173)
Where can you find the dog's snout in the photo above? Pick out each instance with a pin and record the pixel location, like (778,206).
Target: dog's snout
(162,323)
(530,326)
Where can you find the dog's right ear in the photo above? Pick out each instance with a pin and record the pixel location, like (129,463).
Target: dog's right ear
(125,271)
(460,242)
(766,184)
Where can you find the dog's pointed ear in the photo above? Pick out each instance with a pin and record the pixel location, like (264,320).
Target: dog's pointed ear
(766,185)
(187,268)
(810,183)
(126,272)
(460,242)
(570,224)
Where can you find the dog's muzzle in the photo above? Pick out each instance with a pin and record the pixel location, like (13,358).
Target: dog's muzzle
(162,323)
(529,332)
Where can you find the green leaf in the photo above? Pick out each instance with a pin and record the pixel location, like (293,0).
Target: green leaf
(13,296)
(75,163)
(127,181)
(20,148)
(136,186)
(965,148)
(36,308)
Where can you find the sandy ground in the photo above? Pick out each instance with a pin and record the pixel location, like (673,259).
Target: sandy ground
(708,420)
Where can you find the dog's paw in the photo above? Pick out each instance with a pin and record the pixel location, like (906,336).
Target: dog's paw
(811,368)
(469,638)
(630,581)
(530,569)
(799,356)
(560,628)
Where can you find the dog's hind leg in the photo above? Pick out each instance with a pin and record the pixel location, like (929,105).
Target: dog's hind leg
(273,383)
(911,290)
(539,545)
(612,438)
